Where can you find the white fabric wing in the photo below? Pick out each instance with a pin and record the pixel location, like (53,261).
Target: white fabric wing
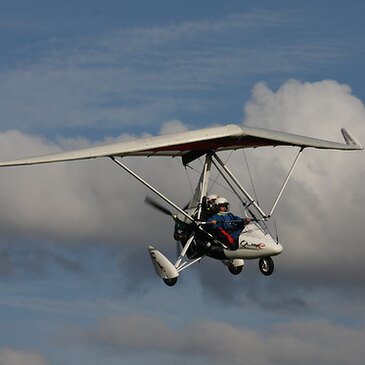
(193,144)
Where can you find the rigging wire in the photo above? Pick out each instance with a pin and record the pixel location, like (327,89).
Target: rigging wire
(231,189)
(189,180)
(219,174)
(250,175)
(210,179)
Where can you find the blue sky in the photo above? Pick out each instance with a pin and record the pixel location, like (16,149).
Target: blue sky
(76,282)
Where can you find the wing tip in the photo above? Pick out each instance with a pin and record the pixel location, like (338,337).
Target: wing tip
(350,139)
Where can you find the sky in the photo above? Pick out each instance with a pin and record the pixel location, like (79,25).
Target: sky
(76,282)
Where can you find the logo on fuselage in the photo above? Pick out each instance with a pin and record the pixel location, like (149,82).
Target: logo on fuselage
(252,246)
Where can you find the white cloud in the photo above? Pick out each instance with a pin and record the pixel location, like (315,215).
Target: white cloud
(10,356)
(321,211)
(172,126)
(84,201)
(319,217)
(318,109)
(316,341)
(302,342)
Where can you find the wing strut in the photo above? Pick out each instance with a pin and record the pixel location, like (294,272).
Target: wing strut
(285,182)
(230,184)
(145,183)
(200,193)
(251,200)
(238,184)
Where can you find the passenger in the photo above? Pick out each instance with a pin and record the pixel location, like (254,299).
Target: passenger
(210,205)
(225,226)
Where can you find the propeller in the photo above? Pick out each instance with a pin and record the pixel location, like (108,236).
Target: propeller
(153,203)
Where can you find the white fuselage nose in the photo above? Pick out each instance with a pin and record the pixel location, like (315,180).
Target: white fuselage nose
(254,243)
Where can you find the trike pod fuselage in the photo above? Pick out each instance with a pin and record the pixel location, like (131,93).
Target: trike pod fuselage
(254,242)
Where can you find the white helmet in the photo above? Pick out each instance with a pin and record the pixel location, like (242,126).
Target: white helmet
(212,198)
(222,201)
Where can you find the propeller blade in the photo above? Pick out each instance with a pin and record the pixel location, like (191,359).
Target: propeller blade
(157,206)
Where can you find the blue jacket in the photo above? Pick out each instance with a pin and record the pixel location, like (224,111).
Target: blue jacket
(231,223)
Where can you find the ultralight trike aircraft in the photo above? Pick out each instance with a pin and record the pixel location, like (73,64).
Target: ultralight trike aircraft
(192,226)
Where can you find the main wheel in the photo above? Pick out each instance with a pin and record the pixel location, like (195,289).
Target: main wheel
(266,265)
(170,282)
(235,270)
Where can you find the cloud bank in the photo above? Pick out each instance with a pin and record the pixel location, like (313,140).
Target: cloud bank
(16,357)
(297,341)
(319,216)
(322,211)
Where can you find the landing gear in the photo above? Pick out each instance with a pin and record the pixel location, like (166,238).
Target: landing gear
(235,270)
(266,265)
(235,266)
(170,282)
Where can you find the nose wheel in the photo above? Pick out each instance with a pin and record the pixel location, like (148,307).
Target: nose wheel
(170,282)
(266,265)
(235,270)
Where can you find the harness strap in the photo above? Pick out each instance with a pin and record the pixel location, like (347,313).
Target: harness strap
(229,238)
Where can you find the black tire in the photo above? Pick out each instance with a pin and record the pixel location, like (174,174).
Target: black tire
(170,282)
(266,265)
(235,270)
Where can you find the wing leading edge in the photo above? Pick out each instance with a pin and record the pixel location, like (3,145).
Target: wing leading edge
(192,144)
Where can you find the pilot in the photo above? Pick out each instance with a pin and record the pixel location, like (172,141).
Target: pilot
(225,226)
(210,205)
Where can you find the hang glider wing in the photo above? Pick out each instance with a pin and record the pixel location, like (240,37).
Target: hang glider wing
(193,144)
